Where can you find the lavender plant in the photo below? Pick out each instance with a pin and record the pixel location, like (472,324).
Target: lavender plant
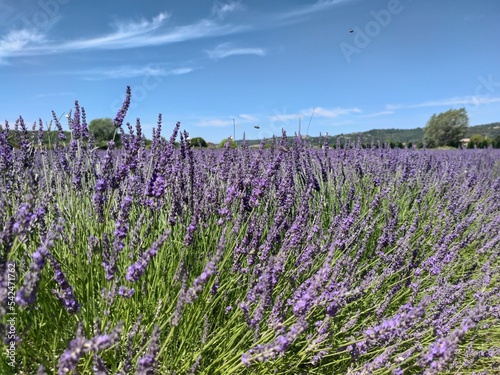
(285,260)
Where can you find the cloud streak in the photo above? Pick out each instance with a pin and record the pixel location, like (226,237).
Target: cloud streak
(447,102)
(220,122)
(381,113)
(131,72)
(222,9)
(215,122)
(126,35)
(313,8)
(15,42)
(317,112)
(468,100)
(226,49)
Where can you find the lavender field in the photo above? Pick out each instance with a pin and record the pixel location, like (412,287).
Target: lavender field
(282,260)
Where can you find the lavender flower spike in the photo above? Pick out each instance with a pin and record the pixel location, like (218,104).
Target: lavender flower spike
(66,295)
(120,116)
(79,346)
(137,269)
(146,365)
(27,294)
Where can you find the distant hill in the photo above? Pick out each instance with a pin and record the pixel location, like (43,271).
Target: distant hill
(488,130)
(400,135)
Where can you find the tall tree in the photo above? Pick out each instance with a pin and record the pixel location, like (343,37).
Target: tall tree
(103,130)
(446,128)
(198,142)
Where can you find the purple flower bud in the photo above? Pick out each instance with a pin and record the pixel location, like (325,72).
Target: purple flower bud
(120,116)
(146,364)
(137,269)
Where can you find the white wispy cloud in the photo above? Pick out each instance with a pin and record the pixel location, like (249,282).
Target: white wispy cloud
(126,35)
(214,122)
(332,113)
(312,8)
(284,117)
(239,120)
(180,71)
(393,107)
(17,41)
(221,9)
(468,100)
(227,49)
(248,118)
(447,102)
(130,34)
(247,121)
(316,112)
(381,113)
(130,72)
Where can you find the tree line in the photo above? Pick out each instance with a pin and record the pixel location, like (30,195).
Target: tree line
(446,129)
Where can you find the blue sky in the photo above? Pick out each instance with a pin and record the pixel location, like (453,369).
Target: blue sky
(267,63)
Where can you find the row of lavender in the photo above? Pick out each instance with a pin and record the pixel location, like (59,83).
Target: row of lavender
(283,260)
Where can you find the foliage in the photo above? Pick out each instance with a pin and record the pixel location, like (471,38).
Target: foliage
(287,260)
(488,131)
(446,128)
(477,140)
(198,142)
(230,141)
(413,136)
(104,130)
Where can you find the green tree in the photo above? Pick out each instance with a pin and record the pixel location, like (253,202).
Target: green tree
(232,143)
(484,143)
(198,142)
(476,139)
(103,131)
(496,142)
(446,128)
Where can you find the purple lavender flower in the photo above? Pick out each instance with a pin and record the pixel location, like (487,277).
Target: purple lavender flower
(441,352)
(126,293)
(99,197)
(137,269)
(127,365)
(120,116)
(209,270)
(26,295)
(188,239)
(80,345)
(66,295)
(263,353)
(27,216)
(146,364)
(99,367)
(109,257)
(122,225)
